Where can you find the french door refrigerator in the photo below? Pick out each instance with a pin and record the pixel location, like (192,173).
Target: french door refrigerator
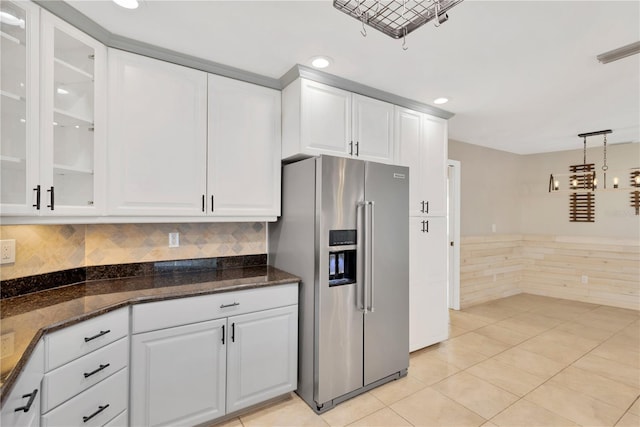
(344,231)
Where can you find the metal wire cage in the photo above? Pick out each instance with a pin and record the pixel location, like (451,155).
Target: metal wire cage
(396,18)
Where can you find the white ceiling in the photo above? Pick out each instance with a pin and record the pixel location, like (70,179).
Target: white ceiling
(521,76)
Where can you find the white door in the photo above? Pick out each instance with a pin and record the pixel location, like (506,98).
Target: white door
(408,142)
(178,375)
(244,149)
(262,356)
(325,119)
(428,314)
(19,107)
(372,129)
(73,120)
(434,166)
(157,151)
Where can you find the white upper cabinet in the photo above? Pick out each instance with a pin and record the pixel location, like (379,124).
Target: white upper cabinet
(321,119)
(372,129)
(53,89)
(243,150)
(73,119)
(184,143)
(421,144)
(316,119)
(157,155)
(19,107)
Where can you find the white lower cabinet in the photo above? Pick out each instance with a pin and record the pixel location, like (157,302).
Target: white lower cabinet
(261,357)
(186,374)
(428,309)
(22,406)
(178,375)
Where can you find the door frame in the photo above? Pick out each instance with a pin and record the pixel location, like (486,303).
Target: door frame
(453,233)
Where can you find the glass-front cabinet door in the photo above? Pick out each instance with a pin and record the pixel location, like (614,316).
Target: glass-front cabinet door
(19,94)
(72,119)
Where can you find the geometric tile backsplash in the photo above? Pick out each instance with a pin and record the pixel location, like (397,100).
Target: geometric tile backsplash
(47,248)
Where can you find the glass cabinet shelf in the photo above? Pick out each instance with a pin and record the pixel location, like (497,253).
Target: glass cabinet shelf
(13,96)
(59,169)
(67,73)
(12,162)
(10,38)
(70,119)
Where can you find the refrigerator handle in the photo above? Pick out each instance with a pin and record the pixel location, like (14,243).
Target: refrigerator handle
(372,248)
(361,289)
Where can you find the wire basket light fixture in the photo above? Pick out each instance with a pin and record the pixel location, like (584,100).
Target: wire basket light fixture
(396,18)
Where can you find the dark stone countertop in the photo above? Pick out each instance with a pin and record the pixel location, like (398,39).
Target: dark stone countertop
(31,316)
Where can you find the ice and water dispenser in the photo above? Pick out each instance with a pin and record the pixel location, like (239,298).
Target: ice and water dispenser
(342,257)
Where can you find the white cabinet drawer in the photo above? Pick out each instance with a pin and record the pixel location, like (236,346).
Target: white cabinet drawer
(121,420)
(183,311)
(94,407)
(68,380)
(70,343)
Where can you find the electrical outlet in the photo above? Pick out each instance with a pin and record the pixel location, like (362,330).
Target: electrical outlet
(7,251)
(6,344)
(585,280)
(174,240)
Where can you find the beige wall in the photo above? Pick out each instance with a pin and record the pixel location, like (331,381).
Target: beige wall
(490,191)
(544,213)
(46,248)
(536,249)
(511,191)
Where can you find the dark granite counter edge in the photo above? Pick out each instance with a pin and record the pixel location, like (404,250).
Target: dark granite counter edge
(40,282)
(8,384)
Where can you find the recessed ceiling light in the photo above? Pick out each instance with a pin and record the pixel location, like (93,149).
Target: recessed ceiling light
(62,91)
(320,62)
(440,101)
(127,4)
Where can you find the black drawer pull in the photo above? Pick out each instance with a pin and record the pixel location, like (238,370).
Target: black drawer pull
(97,336)
(233,332)
(229,305)
(32,397)
(222,334)
(87,375)
(100,409)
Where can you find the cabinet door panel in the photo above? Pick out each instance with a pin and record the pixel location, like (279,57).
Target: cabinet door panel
(262,356)
(244,149)
(157,137)
(19,102)
(428,312)
(178,375)
(326,119)
(373,129)
(73,120)
(408,141)
(27,382)
(435,166)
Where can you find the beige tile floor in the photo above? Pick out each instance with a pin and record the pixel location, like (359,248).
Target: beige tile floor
(525,360)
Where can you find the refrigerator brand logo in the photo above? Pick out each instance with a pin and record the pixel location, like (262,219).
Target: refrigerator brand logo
(398,175)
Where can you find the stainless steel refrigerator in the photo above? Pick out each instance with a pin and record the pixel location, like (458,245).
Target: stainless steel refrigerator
(344,231)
